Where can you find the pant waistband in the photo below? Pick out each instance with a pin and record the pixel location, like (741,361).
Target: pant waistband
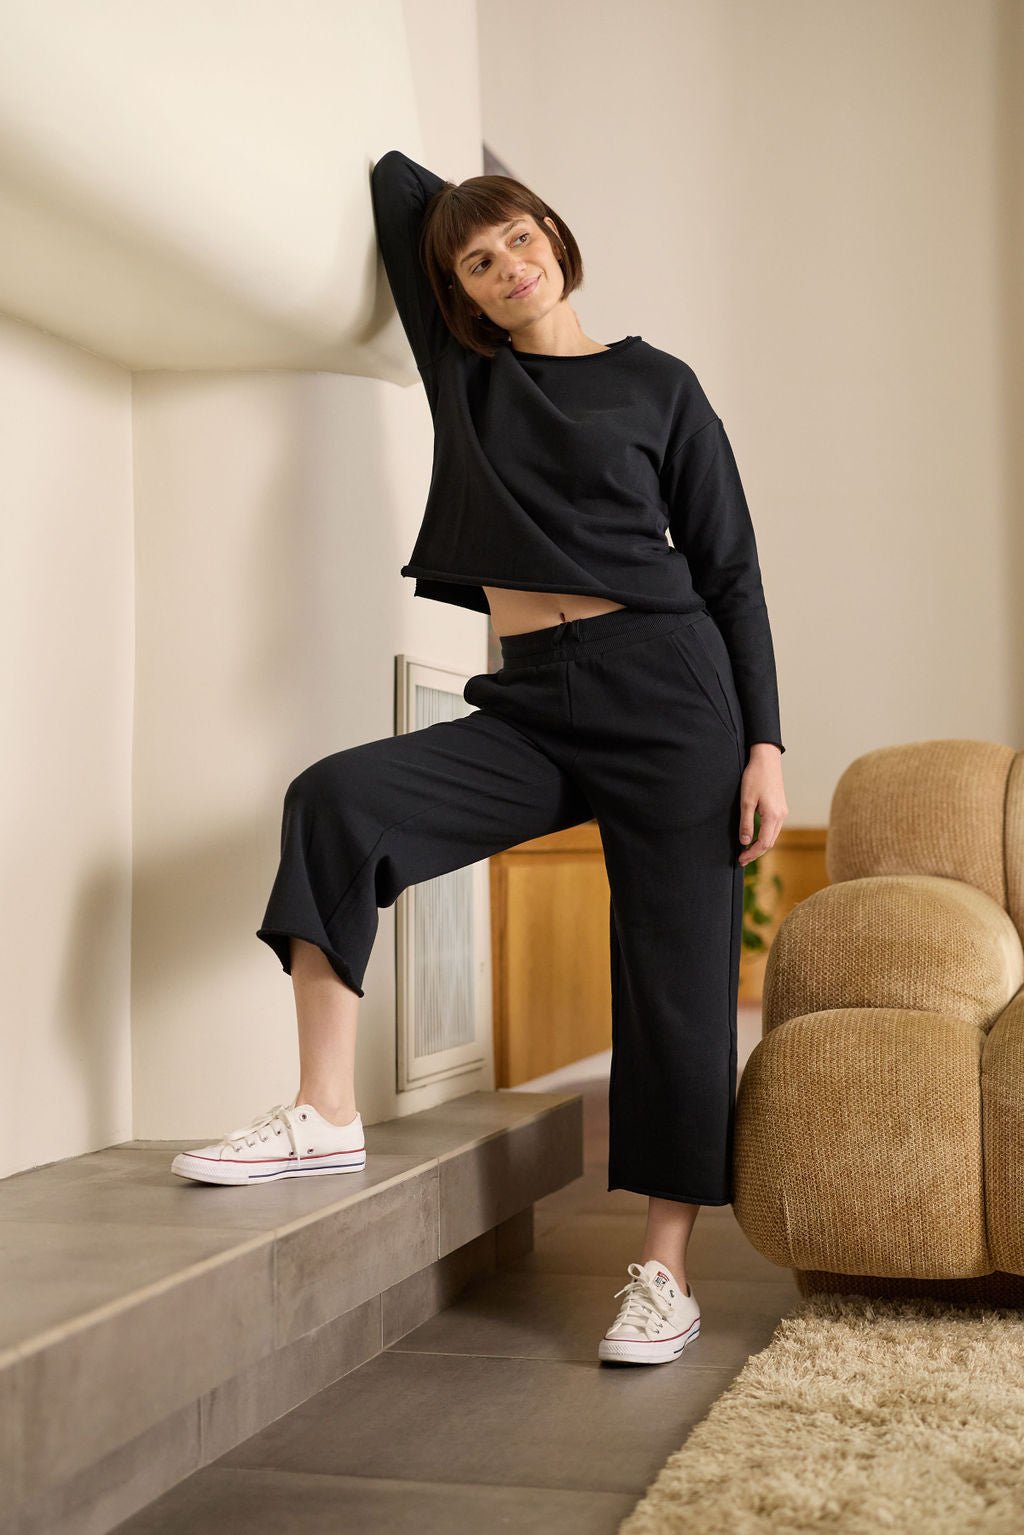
(560,640)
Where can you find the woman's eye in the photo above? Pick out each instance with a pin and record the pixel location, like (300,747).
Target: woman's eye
(524,236)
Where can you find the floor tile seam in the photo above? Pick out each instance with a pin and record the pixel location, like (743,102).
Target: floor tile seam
(410,1481)
(444,1353)
(423,1353)
(583,1488)
(472,1353)
(691,1364)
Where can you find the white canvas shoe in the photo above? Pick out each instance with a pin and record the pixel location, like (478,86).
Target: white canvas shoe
(656,1320)
(289,1141)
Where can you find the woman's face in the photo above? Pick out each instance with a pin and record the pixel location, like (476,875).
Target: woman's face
(502,258)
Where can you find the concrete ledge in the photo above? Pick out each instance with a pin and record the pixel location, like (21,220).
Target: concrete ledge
(151,1324)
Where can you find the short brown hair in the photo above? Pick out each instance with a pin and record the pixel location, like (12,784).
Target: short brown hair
(451,219)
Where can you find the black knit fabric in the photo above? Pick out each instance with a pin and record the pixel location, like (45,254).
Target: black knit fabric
(608,474)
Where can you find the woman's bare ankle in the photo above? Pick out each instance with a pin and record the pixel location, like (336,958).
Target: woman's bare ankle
(334,1111)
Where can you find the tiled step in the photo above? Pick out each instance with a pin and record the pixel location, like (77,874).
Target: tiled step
(149,1323)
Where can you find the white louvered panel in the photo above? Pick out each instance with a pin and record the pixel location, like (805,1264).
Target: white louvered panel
(444,962)
(442,927)
(433,704)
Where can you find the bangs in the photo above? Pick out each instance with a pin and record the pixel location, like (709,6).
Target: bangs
(461,218)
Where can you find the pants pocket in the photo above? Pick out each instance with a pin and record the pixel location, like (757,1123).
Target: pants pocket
(694,647)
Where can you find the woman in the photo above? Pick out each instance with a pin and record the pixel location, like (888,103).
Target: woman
(637,686)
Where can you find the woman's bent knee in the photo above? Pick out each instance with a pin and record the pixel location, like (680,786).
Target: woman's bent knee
(335,778)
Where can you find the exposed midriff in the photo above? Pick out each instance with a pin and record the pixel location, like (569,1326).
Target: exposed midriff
(517,612)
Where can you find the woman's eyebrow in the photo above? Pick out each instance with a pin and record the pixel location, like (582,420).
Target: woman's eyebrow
(504,231)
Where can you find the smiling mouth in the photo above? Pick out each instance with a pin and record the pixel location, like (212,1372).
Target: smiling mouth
(525,288)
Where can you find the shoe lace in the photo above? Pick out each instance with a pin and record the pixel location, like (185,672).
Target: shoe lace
(641,1300)
(272,1120)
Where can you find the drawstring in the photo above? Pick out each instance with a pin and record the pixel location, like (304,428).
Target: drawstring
(567,623)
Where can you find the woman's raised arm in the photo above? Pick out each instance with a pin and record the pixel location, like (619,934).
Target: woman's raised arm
(400,191)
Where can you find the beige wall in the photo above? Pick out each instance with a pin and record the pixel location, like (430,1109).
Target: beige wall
(216,450)
(215,455)
(810,201)
(67,632)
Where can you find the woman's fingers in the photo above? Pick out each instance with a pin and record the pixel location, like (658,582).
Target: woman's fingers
(771,825)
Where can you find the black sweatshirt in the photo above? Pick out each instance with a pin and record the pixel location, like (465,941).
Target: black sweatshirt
(562,473)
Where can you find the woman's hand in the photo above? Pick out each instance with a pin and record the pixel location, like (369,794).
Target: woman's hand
(761,789)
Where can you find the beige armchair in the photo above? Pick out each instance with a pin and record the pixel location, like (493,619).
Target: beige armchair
(880,1120)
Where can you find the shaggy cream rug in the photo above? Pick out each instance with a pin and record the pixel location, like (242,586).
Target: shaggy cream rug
(862,1415)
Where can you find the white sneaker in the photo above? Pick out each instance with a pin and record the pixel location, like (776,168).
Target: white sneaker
(289,1141)
(656,1320)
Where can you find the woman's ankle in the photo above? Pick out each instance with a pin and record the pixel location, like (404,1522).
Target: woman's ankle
(337,1113)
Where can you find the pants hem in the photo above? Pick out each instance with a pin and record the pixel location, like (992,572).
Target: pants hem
(686,1199)
(282,946)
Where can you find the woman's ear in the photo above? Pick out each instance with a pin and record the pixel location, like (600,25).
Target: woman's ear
(556,240)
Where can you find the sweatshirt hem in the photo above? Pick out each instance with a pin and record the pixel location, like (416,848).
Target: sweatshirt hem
(646,600)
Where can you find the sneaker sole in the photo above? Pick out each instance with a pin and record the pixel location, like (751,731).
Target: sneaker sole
(223,1172)
(636,1351)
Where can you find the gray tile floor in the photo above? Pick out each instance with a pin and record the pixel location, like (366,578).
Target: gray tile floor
(496,1413)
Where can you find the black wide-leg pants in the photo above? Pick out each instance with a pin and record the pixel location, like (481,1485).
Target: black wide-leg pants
(628,717)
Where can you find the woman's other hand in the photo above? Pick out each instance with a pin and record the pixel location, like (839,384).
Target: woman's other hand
(762,789)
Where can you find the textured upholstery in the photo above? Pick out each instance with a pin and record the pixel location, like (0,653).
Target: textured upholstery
(880,1120)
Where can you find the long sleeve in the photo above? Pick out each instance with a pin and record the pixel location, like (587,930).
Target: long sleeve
(710,524)
(400,191)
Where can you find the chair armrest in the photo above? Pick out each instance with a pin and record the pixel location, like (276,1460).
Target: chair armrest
(914,941)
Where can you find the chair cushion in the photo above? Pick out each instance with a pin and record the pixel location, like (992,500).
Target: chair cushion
(895,940)
(858,1145)
(925,807)
(1002,1098)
